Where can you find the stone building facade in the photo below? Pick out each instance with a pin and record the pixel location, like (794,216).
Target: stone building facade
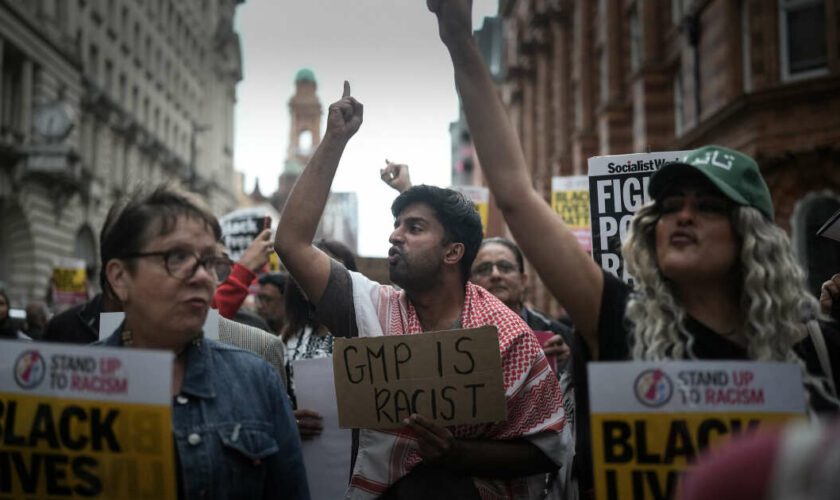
(586,78)
(97,96)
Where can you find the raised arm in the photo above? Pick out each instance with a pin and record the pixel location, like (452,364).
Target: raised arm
(566,269)
(308,265)
(396,176)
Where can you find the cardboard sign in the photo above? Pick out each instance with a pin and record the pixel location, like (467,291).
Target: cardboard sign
(452,377)
(618,187)
(240,227)
(91,422)
(480,196)
(69,282)
(570,199)
(649,420)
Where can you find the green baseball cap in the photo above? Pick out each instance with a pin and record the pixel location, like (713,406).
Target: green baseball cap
(735,174)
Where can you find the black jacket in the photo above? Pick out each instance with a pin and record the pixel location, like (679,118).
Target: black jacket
(77,325)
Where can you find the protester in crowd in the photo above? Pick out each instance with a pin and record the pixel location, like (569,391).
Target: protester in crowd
(714,277)
(161,262)
(830,297)
(307,338)
(9,329)
(80,324)
(436,236)
(232,291)
(36,319)
(500,269)
(506,285)
(271,300)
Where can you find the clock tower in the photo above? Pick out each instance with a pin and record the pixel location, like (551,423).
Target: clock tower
(305,112)
(304,133)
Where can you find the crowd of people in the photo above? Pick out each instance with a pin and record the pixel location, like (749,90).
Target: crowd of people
(714,279)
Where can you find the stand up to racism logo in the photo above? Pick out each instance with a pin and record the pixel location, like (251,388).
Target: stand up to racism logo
(30,369)
(653,388)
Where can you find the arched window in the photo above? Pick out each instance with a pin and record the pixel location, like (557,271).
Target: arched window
(304,145)
(85,249)
(819,256)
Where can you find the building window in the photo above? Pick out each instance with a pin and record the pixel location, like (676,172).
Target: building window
(679,10)
(135,95)
(819,256)
(804,51)
(635,39)
(11,93)
(85,249)
(746,57)
(679,105)
(109,77)
(121,91)
(124,21)
(93,63)
(604,74)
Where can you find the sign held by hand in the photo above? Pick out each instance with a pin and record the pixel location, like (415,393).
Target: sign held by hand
(451,377)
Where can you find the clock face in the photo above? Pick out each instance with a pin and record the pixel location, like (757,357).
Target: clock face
(53,121)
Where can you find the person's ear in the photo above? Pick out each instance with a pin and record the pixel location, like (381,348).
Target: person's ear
(116,272)
(454,253)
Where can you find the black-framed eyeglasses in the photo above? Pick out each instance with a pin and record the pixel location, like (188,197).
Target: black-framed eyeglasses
(486,268)
(182,264)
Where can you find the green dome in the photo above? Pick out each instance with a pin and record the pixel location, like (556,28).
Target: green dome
(305,74)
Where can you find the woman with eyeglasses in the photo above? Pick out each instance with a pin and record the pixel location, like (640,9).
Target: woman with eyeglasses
(232,423)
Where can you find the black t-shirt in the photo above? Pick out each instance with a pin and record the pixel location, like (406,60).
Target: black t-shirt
(614,338)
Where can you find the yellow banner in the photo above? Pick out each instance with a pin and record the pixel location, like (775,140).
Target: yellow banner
(69,280)
(573,206)
(483,210)
(640,455)
(63,448)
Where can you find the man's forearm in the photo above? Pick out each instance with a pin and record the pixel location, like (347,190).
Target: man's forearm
(308,198)
(502,459)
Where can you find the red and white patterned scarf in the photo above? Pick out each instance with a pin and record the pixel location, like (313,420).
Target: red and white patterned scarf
(534,402)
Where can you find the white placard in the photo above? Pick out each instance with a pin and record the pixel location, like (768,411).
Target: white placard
(86,372)
(327,457)
(695,387)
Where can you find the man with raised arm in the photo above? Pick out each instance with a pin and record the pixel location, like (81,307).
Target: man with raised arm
(436,236)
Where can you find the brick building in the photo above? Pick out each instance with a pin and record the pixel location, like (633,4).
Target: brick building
(586,78)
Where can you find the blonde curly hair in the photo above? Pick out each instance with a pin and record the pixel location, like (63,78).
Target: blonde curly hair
(773,294)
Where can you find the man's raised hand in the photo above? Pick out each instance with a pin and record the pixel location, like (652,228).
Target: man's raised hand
(396,176)
(454,18)
(345,116)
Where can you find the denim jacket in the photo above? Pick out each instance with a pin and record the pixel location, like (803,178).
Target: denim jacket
(235,434)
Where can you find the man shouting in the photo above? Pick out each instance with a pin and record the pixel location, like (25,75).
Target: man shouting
(436,236)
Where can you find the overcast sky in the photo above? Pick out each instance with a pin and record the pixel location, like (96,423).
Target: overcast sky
(390,52)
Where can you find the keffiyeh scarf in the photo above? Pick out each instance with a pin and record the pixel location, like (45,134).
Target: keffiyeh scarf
(534,402)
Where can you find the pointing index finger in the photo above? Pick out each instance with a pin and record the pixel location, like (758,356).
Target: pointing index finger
(346,89)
